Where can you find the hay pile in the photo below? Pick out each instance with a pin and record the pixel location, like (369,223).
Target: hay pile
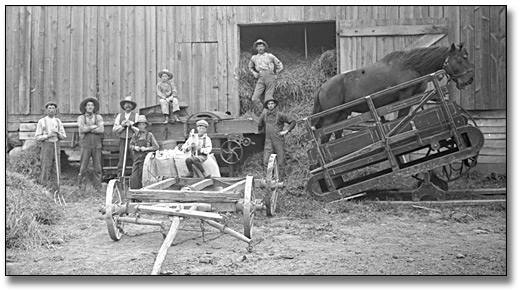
(30,210)
(298,82)
(296,87)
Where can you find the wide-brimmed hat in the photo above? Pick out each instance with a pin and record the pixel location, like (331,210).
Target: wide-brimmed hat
(92,99)
(258,42)
(142,119)
(50,103)
(265,104)
(165,71)
(202,122)
(129,100)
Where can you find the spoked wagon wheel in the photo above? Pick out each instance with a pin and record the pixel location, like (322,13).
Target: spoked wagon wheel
(272,179)
(231,152)
(112,199)
(249,207)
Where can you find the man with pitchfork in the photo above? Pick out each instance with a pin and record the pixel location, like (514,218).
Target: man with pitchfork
(49,131)
(124,128)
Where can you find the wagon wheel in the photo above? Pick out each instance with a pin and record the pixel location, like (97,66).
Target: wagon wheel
(113,198)
(272,179)
(231,152)
(249,209)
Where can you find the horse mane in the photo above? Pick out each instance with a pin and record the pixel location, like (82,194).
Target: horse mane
(422,60)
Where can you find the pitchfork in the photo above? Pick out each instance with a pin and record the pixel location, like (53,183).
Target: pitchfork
(57,194)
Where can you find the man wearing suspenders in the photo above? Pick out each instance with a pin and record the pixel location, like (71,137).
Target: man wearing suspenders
(90,127)
(124,127)
(49,131)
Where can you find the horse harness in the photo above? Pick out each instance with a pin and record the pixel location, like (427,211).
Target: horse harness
(450,72)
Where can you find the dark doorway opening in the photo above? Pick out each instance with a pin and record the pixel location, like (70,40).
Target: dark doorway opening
(307,39)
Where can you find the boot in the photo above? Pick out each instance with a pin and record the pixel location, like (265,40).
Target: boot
(176,117)
(166,120)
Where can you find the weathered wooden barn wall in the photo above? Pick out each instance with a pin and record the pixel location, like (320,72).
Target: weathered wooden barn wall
(66,53)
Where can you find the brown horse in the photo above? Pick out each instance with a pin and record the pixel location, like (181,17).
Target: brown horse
(395,68)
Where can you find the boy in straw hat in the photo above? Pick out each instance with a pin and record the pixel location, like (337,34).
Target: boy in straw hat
(167,94)
(272,123)
(200,146)
(265,67)
(141,144)
(123,127)
(90,128)
(49,131)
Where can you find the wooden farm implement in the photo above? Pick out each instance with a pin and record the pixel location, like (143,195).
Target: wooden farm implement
(199,198)
(372,152)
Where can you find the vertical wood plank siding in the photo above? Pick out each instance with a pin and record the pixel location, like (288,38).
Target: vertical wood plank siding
(65,53)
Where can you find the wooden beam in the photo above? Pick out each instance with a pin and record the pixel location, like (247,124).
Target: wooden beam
(189,196)
(393,30)
(162,184)
(162,253)
(179,212)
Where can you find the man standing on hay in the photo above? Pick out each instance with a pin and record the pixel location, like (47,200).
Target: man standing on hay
(272,123)
(141,144)
(49,131)
(90,128)
(123,126)
(265,67)
(167,94)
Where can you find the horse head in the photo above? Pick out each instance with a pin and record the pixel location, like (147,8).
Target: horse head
(458,67)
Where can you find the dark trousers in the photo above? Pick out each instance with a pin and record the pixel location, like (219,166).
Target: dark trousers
(137,170)
(196,161)
(48,176)
(266,83)
(86,154)
(122,153)
(275,144)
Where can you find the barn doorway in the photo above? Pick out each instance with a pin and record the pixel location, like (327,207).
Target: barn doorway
(307,39)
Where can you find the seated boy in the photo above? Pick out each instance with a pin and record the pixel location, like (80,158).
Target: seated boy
(199,146)
(141,144)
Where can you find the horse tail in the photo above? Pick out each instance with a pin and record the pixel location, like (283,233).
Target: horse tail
(317,108)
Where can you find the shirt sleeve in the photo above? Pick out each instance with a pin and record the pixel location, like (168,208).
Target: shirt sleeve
(39,134)
(117,127)
(208,146)
(61,129)
(251,64)
(159,92)
(285,119)
(278,64)
(82,127)
(99,123)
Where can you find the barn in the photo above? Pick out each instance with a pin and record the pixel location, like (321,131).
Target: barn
(65,53)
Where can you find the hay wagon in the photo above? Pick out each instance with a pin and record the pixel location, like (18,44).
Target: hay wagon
(200,198)
(437,142)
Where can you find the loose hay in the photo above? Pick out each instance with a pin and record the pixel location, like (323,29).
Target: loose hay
(30,211)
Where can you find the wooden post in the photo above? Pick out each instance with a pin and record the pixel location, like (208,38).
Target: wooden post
(228,230)
(162,253)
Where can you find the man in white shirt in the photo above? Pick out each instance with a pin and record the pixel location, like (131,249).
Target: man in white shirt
(265,67)
(49,131)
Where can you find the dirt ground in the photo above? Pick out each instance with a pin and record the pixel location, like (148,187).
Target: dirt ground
(352,239)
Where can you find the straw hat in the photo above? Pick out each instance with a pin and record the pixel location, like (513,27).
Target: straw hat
(142,119)
(51,103)
(202,122)
(128,99)
(92,99)
(265,104)
(165,71)
(258,42)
